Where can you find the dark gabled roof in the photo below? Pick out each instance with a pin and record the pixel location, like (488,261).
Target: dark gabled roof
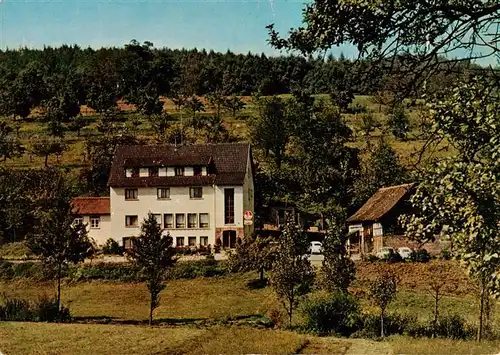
(228,162)
(91,205)
(381,203)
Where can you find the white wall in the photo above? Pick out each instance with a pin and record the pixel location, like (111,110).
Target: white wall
(238,206)
(101,234)
(147,201)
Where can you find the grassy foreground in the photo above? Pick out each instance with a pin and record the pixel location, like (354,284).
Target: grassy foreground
(75,339)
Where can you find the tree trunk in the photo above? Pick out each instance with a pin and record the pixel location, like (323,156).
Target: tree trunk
(59,288)
(261,273)
(46,160)
(481,311)
(382,323)
(151,311)
(436,305)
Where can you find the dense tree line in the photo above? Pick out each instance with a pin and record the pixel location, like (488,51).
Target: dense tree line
(60,78)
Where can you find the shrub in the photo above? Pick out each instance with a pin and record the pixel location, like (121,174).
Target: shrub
(393,324)
(454,327)
(199,268)
(14,309)
(393,258)
(335,313)
(371,258)
(112,247)
(445,255)
(420,256)
(46,310)
(33,270)
(104,271)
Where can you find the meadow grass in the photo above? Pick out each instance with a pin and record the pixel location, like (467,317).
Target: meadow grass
(425,346)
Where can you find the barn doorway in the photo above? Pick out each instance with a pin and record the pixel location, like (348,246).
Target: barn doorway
(229,239)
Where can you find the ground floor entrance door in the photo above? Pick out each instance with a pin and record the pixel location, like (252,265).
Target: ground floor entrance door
(229,239)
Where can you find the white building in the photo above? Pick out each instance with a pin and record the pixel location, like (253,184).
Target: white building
(95,213)
(199,193)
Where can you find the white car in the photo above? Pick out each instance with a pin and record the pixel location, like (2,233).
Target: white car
(385,252)
(405,252)
(316,248)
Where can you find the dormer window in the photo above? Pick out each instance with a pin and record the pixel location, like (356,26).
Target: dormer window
(197,170)
(153,172)
(179,171)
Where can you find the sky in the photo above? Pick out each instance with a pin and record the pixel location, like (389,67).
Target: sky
(237,25)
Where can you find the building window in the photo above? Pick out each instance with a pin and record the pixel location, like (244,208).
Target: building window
(168,220)
(228,206)
(196,192)
(192,220)
(153,172)
(192,241)
(77,221)
(135,172)
(204,221)
(131,221)
(179,241)
(197,170)
(163,193)
(95,222)
(130,194)
(128,242)
(157,216)
(179,171)
(203,241)
(180,220)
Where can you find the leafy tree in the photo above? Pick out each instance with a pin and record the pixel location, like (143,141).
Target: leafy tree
(398,122)
(341,97)
(270,131)
(193,105)
(408,37)
(212,127)
(57,240)
(382,292)
(146,74)
(292,273)
(10,147)
(22,89)
(160,124)
(459,197)
(368,123)
(323,165)
(46,147)
(381,169)
(253,253)
(233,104)
(78,123)
(338,270)
(100,151)
(217,100)
(153,254)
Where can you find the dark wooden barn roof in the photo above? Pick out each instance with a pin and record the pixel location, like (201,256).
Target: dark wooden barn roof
(228,163)
(381,203)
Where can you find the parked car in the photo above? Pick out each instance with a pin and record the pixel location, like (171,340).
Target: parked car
(405,252)
(385,252)
(316,248)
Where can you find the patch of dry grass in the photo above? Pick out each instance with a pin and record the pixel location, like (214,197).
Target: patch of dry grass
(245,340)
(201,298)
(75,339)
(424,346)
